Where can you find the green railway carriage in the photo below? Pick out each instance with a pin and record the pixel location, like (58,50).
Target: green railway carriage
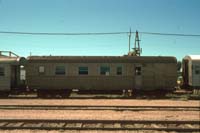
(61,74)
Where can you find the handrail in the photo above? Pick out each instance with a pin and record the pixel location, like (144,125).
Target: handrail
(8,53)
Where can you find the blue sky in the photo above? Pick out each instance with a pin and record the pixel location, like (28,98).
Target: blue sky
(72,16)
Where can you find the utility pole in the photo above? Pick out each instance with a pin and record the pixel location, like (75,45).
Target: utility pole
(136,48)
(129,43)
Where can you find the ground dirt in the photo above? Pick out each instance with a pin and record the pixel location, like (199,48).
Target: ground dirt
(97,114)
(125,102)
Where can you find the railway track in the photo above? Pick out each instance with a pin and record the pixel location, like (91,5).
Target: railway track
(50,124)
(96,107)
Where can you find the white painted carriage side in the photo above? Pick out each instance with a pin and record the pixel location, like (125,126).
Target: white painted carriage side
(196,73)
(193,70)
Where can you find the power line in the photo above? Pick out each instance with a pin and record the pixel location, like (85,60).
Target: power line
(170,34)
(48,33)
(96,33)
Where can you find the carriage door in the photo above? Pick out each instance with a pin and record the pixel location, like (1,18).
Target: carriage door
(185,72)
(13,76)
(138,76)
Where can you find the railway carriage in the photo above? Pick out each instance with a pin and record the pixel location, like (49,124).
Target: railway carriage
(191,71)
(61,74)
(9,71)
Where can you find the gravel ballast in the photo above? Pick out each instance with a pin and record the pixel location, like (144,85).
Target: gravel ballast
(100,102)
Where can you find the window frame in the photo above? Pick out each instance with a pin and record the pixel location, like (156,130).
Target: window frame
(105,70)
(197,69)
(39,69)
(138,70)
(59,72)
(83,72)
(2,73)
(119,72)
(197,72)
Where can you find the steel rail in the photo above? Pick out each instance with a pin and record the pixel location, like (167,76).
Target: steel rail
(98,107)
(165,125)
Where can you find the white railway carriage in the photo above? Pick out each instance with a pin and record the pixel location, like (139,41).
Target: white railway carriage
(9,71)
(191,70)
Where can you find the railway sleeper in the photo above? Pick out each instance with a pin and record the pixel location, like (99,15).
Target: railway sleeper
(187,126)
(102,126)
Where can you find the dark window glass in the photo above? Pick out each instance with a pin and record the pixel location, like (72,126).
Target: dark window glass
(83,71)
(138,70)
(197,72)
(119,70)
(2,73)
(105,70)
(197,69)
(60,70)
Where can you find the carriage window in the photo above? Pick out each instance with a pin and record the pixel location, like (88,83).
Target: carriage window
(105,70)
(22,73)
(2,71)
(138,71)
(119,70)
(41,69)
(60,70)
(83,71)
(197,69)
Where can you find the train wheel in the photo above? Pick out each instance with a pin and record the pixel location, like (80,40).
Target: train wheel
(41,93)
(4,94)
(66,93)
